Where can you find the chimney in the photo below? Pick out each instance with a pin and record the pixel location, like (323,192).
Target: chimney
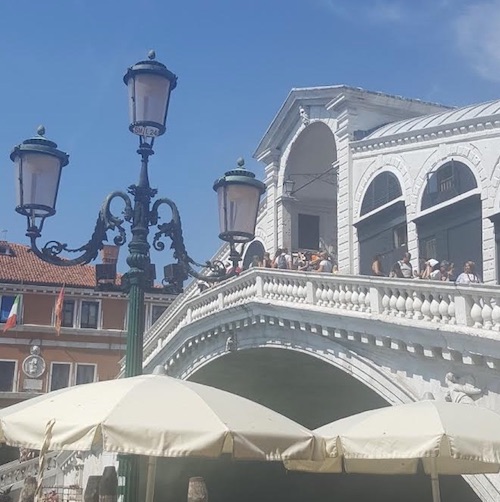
(109,254)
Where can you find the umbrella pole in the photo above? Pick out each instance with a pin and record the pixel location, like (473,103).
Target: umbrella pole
(436,495)
(150,480)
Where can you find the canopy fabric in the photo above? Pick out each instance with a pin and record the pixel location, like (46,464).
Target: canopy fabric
(156,415)
(447,438)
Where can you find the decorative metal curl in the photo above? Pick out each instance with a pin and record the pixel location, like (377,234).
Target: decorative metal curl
(173,230)
(106,220)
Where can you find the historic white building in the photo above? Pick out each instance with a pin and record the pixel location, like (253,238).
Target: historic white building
(379,174)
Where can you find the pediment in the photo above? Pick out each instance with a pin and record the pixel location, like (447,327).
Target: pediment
(336,99)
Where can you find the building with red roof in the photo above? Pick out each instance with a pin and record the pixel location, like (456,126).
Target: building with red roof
(34,357)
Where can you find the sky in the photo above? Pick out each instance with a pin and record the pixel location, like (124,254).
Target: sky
(63,62)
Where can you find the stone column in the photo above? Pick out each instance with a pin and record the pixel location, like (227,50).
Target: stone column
(345,236)
(271,158)
(489,251)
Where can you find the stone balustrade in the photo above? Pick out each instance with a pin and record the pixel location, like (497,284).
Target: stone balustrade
(420,302)
(14,473)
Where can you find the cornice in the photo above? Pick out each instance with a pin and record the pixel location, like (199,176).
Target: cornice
(79,292)
(458,129)
(185,347)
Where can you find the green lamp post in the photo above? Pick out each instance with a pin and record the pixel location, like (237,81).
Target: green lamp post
(38,163)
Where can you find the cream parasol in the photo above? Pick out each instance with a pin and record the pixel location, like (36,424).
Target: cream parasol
(445,438)
(157,416)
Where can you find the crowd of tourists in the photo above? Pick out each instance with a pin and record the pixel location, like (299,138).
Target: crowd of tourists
(430,269)
(306,261)
(321,261)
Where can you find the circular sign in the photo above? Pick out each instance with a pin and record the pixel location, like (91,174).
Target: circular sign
(34,366)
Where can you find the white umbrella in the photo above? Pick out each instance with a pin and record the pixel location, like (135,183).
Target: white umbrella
(155,415)
(447,438)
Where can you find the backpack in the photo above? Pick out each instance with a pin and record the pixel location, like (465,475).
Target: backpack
(282,263)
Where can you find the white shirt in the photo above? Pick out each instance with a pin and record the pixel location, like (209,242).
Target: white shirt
(464,278)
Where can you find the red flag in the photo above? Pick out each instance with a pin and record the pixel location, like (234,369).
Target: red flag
(58,311)
(14,311)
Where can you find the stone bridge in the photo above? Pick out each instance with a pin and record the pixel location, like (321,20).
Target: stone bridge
(317,347)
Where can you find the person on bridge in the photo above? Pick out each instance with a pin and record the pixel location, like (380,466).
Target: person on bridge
(325,265)
(406,266)
(377,266)
(469,275)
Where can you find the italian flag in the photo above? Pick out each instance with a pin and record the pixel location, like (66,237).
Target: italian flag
(12,319)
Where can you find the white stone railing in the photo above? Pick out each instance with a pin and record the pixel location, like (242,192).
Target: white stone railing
(15,472)
(424,303)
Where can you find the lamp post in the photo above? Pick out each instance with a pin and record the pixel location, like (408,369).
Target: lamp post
(39,164)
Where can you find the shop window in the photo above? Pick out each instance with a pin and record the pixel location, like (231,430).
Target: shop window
(7,376)
(89,314)
(384,188)
(6,303)
(428,248)
(308,232)
(59,375)
(449,181)
(400,236)
(85,373)
(68,314)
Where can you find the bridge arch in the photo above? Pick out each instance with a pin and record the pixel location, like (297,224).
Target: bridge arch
(341,383)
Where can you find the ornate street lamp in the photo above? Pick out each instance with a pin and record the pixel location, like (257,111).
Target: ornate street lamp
(39,164)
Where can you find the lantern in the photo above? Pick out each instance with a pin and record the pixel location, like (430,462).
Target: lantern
(38,165)
(149,86)
(239,196)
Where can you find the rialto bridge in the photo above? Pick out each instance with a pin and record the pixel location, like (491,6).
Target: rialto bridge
(317,347)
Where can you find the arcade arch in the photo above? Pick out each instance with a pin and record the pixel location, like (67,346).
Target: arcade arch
(255,248)
(382,226)
(309,219)
(450,225)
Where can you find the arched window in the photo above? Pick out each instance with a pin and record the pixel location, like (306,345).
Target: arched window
(384,188)
(447,182)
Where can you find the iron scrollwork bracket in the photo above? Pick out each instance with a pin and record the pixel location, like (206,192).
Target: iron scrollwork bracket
(106,220)
(173,230)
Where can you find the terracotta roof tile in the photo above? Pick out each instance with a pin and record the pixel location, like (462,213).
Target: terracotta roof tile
(19,265)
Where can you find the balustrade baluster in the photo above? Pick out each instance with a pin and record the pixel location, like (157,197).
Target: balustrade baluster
(451,311)
(318,294)
(362,300)
(368,299)
(342,295)
(417,306)
(401,303)
(386,299)
(301,293)
(434,308)
(392,303)
(324,294)
(426,307)
(348,296)
(476,312)
(329,295)
(336,295)
(355,299)
(495,315)
(444,308)
(487,314)
(409,305)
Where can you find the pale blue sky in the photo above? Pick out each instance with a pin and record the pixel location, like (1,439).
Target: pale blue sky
(63,62)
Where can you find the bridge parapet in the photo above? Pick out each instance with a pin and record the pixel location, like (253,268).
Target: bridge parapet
(422,303)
